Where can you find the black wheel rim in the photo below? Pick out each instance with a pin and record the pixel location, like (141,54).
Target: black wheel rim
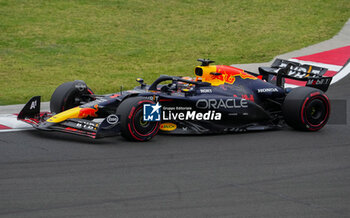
(142,127)
(316,112)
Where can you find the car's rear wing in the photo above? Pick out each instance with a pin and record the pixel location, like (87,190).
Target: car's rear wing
(281,69)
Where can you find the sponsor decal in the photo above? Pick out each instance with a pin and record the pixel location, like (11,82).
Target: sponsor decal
(88,112)
(250,98)
(168,126)
(206,90)
(114,96)
(221,103)
(112,119)
(33,105)
(86,126)
(151,112)
(301,72)
(319,81)
(80,86)
(226,74)
(298,71)
(267,90)
(152,98)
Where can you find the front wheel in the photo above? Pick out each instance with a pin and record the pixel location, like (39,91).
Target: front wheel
(306,109)
(69,95)
(132,125)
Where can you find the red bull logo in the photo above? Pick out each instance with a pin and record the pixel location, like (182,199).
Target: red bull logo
(88,112)
(225,74)
(168,126)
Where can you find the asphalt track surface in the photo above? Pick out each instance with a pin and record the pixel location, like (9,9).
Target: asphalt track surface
(282,173)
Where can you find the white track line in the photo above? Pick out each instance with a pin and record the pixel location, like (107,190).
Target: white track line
(11,121)
(15,130)
(342,73)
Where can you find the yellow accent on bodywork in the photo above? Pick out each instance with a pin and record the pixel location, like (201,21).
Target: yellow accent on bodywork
(168,126)
(206,74)
(71,113)
(220,74)
(308,72)
(207,69)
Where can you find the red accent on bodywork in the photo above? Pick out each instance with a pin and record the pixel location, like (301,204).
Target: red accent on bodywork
(79,132)
(250,98)
(295,82)
(88,112)
(229,73)
(114,96)
(71,129)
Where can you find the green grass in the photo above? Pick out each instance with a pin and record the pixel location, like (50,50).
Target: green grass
(110,43)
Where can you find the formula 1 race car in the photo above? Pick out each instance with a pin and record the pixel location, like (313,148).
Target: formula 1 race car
(220,99)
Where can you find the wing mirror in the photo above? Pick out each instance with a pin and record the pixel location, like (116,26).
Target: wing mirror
(140,80)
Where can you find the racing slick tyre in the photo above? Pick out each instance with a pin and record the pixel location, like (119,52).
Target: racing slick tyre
(69,95)
(132,125)
(306,109)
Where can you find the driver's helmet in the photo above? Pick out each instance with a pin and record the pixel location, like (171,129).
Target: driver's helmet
(182,85)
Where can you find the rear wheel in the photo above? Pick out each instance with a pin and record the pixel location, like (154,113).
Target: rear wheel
(306,109)
(132,125)
(69,95)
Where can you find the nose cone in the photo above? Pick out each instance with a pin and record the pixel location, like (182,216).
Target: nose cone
(76,112)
